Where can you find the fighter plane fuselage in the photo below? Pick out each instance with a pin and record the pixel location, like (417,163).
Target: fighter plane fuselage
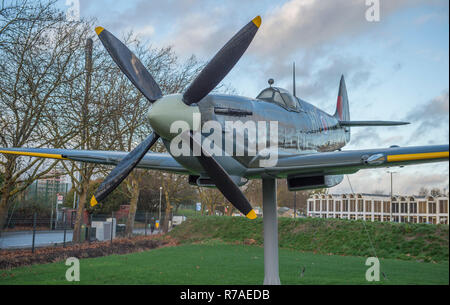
(301,127)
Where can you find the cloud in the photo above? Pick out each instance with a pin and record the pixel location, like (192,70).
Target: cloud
(315,33)
(311,23)
(311,32)
(407,181)
(365,135)
(432,115)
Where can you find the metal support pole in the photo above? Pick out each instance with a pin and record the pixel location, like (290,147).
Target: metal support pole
(146,224)
(295,205)
(270,219)
(51,216)
(112,224)
(90,229)
(159,217)
(34,233)
(390,214)
(65,228)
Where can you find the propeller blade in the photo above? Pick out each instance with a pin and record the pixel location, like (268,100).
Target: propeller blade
(224,182)
(222,63)
(123,169)
(130,65)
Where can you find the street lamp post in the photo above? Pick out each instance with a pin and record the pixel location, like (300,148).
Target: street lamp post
(390,214)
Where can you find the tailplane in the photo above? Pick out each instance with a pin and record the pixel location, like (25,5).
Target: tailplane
(342,113)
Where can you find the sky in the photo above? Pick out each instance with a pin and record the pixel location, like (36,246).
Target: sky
(396,68)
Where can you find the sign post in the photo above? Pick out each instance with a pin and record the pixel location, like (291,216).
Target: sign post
(198,207)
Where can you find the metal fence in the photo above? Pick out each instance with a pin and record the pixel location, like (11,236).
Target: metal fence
(31,231)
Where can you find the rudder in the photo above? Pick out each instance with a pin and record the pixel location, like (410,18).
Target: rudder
(342,108)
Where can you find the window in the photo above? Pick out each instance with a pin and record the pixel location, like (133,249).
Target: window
(395,208)
(377,206)
(431,207)
(360,205)
(422,207)
(368,206)
(443,206)
(404,207)
(345,207)
(289,100)
(281,97)
(386,207)
(278,99)
(266,95)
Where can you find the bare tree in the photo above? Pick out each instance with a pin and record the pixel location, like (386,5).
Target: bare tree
(38,54)
(212,199)
(423,192)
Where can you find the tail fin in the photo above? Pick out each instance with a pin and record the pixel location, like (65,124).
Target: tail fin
(342,109)
(342,113)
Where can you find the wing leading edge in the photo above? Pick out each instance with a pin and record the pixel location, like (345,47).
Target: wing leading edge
(157,161)
(331,163)
(351,161)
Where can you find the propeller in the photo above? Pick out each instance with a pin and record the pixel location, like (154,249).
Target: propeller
(130,65)
(123,169)
(222,63)
(213,73)
(222,180)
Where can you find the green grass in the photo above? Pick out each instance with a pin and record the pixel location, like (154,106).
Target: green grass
(417,242)
(188,213)
(219,263)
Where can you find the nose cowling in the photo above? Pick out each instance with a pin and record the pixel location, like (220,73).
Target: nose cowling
(169,109)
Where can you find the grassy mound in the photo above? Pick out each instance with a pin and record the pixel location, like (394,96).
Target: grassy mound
(421,242)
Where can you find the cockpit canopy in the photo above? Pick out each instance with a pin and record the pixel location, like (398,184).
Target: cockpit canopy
(280,97)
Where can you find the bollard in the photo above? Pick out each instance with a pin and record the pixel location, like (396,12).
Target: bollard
(34,233)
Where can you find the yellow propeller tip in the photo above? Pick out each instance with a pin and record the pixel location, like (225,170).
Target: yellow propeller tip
(251,214)
(257,21)
(98,30)
(93,201)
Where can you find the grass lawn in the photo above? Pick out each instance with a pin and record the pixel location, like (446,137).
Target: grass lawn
(219,263)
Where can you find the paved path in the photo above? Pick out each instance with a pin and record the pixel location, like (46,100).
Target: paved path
(23,239)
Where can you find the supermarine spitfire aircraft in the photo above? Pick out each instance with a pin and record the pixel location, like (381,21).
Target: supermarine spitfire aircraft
(309,140)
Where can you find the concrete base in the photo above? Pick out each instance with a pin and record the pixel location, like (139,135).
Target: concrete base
(270,219)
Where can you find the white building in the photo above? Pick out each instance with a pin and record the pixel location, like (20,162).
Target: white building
(372,207)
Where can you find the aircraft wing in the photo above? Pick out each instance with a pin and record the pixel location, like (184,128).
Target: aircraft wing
(351,161)
(158,161)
